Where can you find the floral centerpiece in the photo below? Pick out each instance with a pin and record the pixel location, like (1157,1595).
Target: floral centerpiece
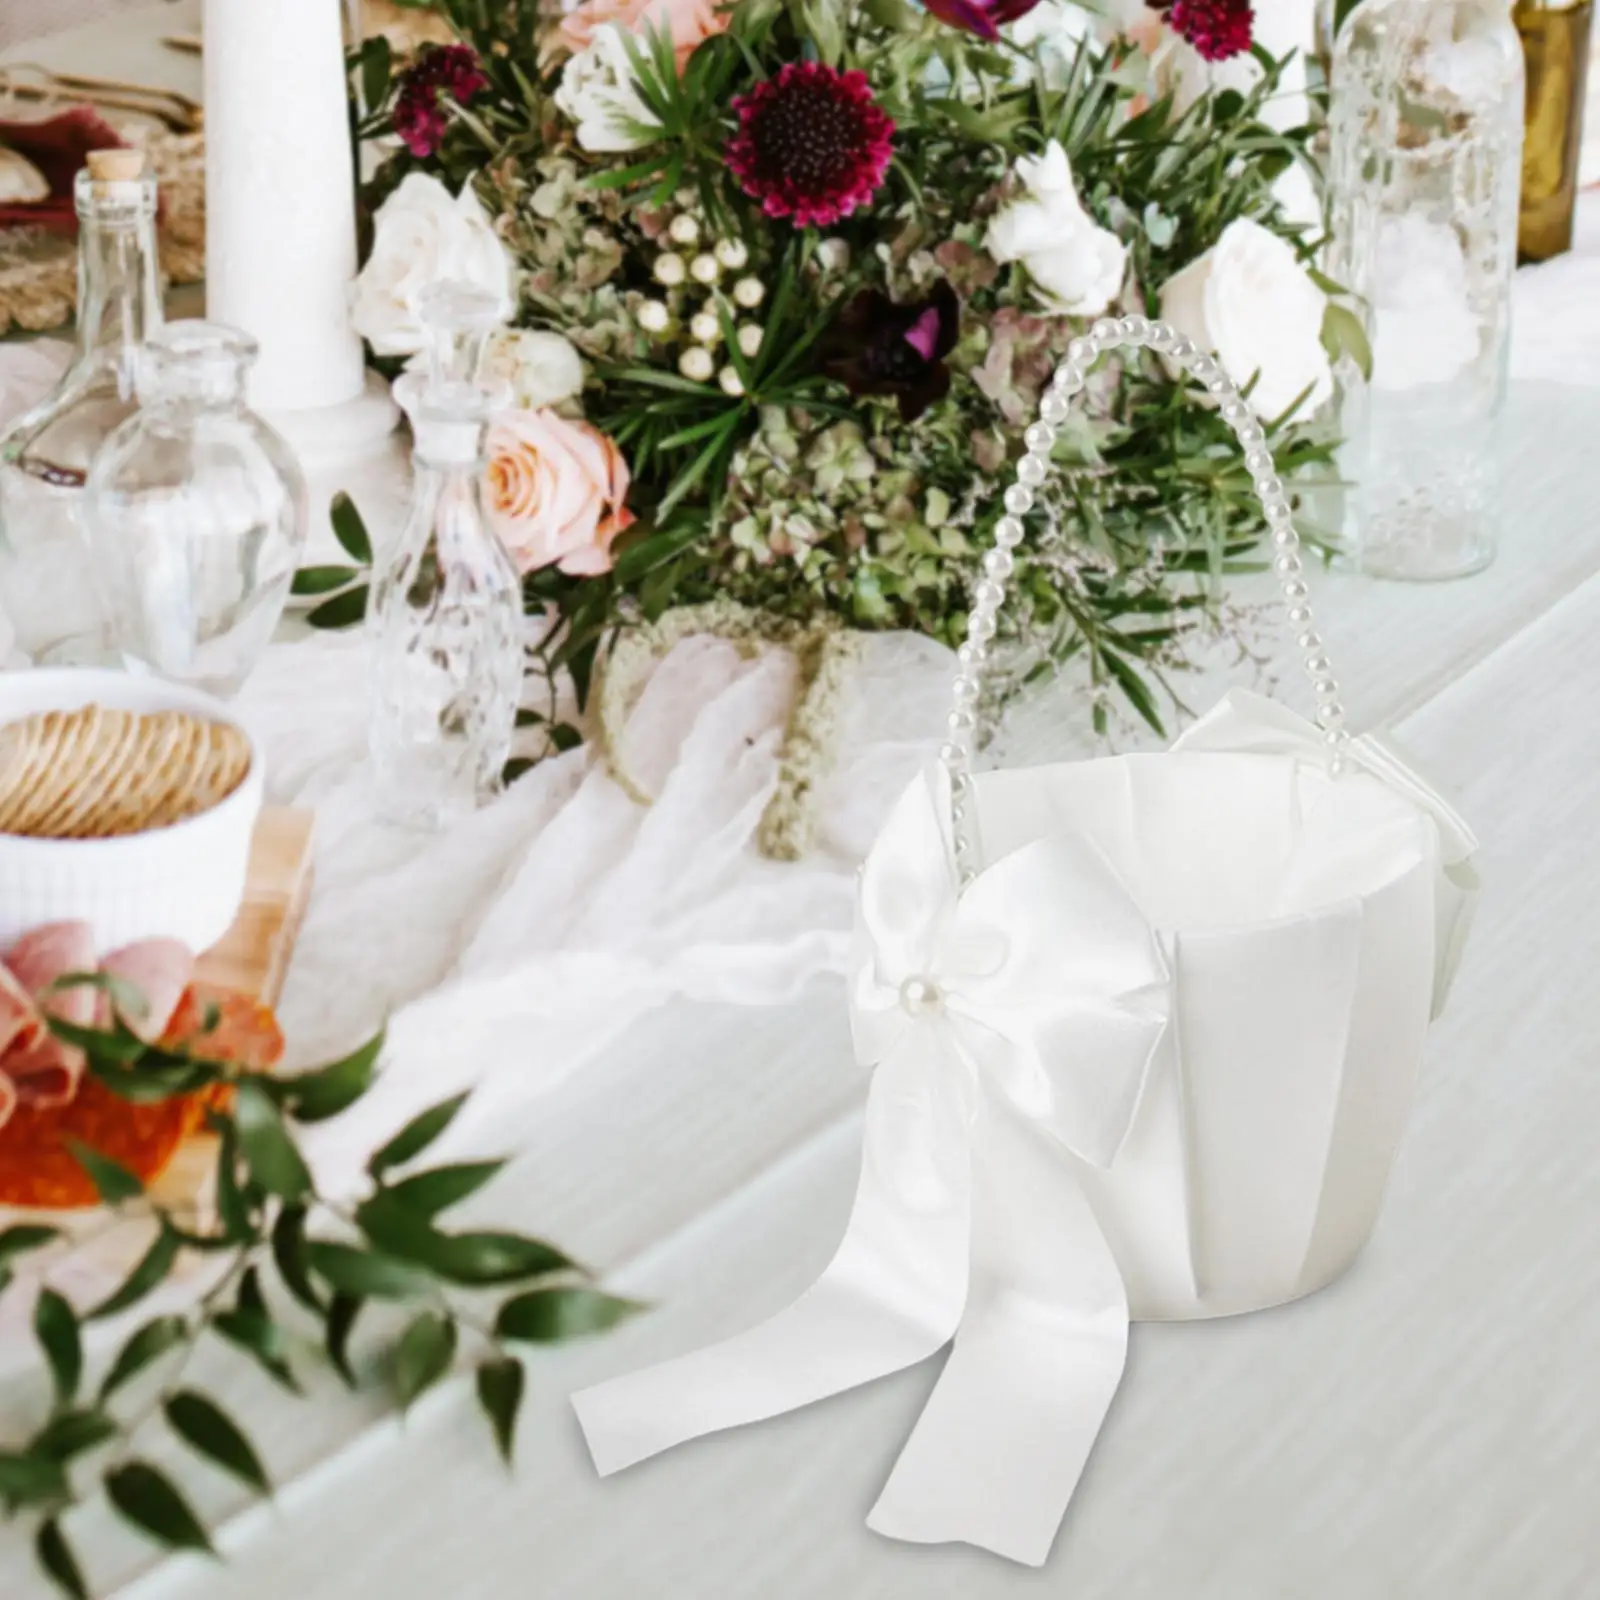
(790,277)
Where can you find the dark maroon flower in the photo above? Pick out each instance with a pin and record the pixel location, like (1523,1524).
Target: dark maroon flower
(982,17)
(812,144)
(1218,29)
(440,73)
(877,347)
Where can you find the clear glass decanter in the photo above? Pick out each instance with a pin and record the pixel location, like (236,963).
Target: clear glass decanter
(46,583)
(1426,146)
(445,615)
(196,515)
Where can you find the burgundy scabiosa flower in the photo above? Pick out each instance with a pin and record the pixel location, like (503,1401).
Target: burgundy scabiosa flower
(1218,29)
(440,73)
(813,145)
(982,17)
(877,347)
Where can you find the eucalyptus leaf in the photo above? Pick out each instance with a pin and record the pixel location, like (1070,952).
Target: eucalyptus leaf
(31,1479)
(345,610)
(500,1387)
(143,1346)
(416,1136)
(366,1274)
(260,1337)
(206,1428)
(151,1270)
(323,580)
(473,1259)
(289,1255)
(424,1354)
(70,1434)
(56,1557)
(350,529)
(429,1193)
(269,1152)
(112,1181)
(146,1498)
(342,1313)
(233,1204)
(551,1316)
(23,1237)
(316,1096)
(55,1325)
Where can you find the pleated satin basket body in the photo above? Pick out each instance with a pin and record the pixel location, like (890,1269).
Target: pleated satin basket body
(1143,1034)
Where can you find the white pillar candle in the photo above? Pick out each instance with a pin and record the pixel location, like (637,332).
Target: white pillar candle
(280,197)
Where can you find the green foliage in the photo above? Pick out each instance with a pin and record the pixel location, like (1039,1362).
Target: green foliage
(1150,508)
(290,1264)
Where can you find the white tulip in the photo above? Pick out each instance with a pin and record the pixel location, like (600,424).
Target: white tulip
(1077,265)
(599,93)
(422,235)
(1249,301)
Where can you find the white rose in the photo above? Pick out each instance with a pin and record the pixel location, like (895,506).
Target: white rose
(598,92)
(1250,302)
(423,234)
(540,368)
(1077,264)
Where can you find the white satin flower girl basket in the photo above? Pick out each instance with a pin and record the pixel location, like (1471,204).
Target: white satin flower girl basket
(1144,1033)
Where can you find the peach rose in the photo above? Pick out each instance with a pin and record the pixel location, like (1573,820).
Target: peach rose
(690,22)
(555,492)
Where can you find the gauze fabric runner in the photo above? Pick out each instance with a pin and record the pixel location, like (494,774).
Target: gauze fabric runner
(1015,1032)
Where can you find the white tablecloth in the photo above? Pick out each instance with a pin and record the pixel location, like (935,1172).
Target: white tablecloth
(1426,1428)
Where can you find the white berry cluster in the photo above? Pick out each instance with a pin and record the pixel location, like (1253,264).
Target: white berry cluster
(698,278)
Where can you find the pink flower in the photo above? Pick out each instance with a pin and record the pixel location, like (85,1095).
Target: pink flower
(689,22)
(813,145)
(555,492)
(441,72)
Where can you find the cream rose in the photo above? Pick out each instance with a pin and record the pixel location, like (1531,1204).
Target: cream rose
(599,93)
(538,367)
(1250,302)
(1077,265)
(423,234)
(555,492)
(689,22)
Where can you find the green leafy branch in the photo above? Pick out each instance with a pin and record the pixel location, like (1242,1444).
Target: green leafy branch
(291,1272)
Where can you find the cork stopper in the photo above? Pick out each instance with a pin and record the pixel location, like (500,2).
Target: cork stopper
(116,166)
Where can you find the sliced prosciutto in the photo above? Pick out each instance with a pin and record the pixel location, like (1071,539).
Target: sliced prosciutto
(36,1068)
(160,969)
(44,1071)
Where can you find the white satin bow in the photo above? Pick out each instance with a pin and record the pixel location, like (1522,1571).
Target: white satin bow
(1043,981)
(1035,1000)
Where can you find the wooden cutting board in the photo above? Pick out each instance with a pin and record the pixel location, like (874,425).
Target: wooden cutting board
(253,958)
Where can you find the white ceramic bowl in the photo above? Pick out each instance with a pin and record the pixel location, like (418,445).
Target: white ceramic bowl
(184,882)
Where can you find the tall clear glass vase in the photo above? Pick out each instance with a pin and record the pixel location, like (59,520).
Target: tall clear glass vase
(445,613)
(46,580)
(1426,145)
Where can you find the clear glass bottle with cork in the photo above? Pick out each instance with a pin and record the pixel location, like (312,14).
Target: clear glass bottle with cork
(46,581)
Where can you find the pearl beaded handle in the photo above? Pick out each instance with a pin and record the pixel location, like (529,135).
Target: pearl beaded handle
(1108,334)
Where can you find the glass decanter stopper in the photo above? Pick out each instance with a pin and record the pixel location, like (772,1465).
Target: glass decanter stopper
(445,614)
(46,582)
(196,515)
(1426,149)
